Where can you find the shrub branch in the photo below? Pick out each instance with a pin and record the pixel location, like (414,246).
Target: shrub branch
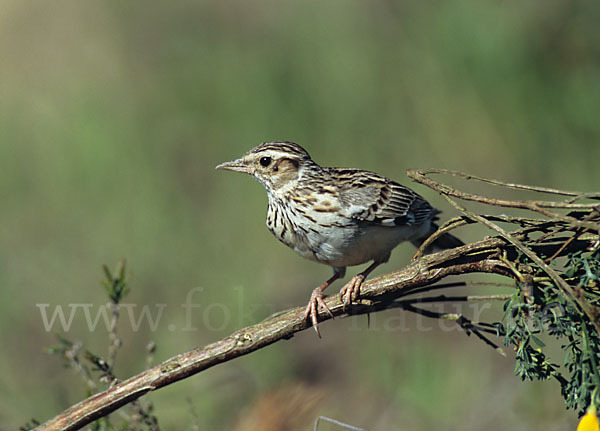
(517,255)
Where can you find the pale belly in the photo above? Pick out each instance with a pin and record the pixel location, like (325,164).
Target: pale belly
(365,244)
(350,246)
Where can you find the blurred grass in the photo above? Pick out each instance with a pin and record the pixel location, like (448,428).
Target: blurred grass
(113,116)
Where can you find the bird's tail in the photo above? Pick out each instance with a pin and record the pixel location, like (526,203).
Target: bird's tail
(444,242)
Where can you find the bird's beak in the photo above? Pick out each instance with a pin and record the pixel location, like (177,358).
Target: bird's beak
(235,165)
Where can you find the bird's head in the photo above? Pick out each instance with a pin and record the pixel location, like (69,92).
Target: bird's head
(273,164)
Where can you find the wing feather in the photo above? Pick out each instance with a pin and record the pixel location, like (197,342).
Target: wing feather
(380,200)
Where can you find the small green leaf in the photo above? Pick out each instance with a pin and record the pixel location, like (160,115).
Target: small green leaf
(538,341)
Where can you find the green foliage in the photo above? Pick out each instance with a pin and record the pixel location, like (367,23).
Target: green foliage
(543,308)
(116,284)
(97,372)
(100,365)
(30,425)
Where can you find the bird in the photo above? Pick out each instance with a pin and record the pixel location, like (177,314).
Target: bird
(339,217)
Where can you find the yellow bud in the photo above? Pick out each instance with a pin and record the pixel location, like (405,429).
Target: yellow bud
(589,421)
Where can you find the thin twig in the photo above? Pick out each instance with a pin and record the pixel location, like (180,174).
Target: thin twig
(559,282)
(505,184)
(336,422)
(446,227)
(565,244)
(420,176)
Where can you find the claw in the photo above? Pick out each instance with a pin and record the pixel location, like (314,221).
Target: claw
(350,292)
(312,309)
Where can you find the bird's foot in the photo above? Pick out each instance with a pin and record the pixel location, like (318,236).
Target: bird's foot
(312,309)
(350,292)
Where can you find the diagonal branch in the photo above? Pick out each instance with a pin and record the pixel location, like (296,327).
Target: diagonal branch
(376,295)
(397,289)
(537,206)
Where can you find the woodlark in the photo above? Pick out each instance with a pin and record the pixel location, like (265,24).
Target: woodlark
(336,216)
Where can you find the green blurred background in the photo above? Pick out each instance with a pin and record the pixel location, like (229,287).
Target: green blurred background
(113,115)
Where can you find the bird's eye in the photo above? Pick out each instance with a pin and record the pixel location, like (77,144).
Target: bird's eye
(265,161)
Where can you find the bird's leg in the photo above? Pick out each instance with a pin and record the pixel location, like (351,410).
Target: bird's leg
(316,301)
(349,293)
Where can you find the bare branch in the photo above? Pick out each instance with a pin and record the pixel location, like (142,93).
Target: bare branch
(284,325)
(556,237)
(420,175)
(537,206)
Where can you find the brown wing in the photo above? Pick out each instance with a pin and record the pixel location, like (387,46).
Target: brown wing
(371,197)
